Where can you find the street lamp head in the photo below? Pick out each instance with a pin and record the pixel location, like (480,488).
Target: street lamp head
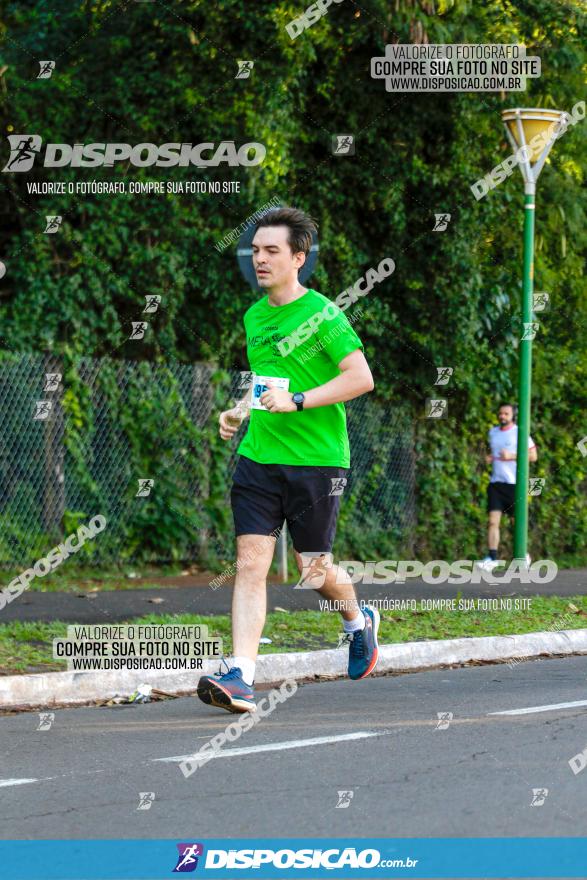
(532,132)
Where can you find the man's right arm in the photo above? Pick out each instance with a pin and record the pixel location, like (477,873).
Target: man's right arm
(246,401)
(231,419)
(489,456)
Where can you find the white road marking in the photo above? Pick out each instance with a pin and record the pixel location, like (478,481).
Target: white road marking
(5,782)
(550,708)
(288,744)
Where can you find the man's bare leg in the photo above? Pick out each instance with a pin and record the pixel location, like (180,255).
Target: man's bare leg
(337,586)
(360,625)
(249,598)
(493,530)
(232,690)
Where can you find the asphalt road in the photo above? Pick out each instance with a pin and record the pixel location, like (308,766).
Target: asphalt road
(112,606)
(409,777)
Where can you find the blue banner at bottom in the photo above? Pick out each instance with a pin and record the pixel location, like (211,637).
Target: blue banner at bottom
(273,858)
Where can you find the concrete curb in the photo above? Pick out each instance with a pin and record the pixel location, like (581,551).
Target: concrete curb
(53,689)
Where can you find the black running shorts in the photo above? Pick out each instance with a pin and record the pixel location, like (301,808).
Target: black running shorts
(501,496)
(308,498)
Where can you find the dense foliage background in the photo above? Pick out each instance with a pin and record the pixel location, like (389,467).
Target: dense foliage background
(159,72)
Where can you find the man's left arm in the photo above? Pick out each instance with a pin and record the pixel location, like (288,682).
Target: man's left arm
(511,456)
(355,379)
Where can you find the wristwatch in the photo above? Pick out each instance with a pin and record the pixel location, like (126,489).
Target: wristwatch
(298,398)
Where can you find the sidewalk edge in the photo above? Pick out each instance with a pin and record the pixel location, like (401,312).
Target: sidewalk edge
(53,689)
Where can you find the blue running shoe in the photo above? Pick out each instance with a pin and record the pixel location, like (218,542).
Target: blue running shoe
(363,648)
(227,691)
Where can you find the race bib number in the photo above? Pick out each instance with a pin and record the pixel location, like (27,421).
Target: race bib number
(260,386)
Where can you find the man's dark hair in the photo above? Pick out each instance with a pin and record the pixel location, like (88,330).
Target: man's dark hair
(514,407)
(301,227)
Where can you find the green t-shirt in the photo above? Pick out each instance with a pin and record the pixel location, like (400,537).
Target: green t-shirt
(315,436)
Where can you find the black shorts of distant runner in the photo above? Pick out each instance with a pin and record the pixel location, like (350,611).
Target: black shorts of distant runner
(501,496)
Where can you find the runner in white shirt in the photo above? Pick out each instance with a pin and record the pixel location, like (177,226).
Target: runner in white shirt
(503,442)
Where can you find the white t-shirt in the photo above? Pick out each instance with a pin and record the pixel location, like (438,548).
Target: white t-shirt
(504,471)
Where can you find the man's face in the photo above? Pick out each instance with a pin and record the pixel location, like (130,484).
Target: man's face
(505,415)
(272,257)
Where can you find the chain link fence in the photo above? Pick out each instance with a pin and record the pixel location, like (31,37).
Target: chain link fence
(138,443)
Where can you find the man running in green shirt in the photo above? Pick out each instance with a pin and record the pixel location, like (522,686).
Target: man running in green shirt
(294,460)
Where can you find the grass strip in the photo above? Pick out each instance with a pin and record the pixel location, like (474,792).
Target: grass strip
(27,647)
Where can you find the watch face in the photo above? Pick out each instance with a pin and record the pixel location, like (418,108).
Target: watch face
(298,397)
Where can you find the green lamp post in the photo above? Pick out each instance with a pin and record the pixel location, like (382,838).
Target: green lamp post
(531,132)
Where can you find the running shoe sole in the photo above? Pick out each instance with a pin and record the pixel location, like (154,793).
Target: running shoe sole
(213,694)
